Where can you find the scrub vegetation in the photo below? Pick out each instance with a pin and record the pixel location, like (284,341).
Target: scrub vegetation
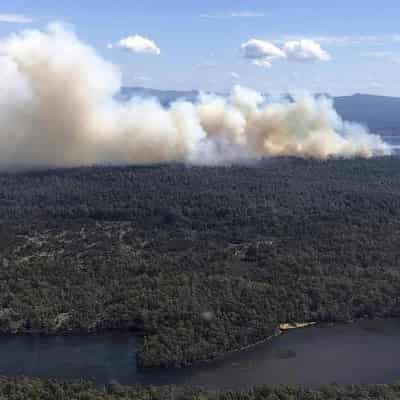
(199,261)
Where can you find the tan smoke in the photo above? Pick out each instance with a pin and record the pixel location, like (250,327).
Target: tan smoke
(57,108)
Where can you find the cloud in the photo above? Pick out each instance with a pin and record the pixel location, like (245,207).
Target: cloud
(262,53)
(375,85)
(234,75)
(388,56)
(15,19)
(207,64)
(59,108)
(137,44)
(345,40)
(239,14)
(141,79)
(349,39)
(305,50)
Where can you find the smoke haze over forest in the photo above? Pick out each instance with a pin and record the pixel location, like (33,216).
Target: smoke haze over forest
(58,108)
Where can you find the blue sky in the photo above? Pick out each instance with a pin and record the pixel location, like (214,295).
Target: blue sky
(200,41)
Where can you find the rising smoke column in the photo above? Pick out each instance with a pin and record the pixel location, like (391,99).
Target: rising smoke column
(57,108)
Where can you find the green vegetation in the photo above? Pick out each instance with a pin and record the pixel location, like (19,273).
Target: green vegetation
(34,389)
(199,261)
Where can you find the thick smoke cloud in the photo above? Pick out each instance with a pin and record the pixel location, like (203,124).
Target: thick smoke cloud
(57,108)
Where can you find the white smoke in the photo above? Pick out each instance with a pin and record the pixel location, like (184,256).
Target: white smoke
(57,108)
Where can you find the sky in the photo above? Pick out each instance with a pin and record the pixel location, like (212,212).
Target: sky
(337,47)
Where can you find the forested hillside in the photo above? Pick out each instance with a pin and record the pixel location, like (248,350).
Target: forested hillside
(28,389)
(199,260)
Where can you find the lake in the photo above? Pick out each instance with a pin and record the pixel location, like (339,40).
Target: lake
(366,352)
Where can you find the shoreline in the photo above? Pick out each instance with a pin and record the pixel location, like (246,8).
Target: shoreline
(214,358)
(289,326)
(218,357)
(279,330)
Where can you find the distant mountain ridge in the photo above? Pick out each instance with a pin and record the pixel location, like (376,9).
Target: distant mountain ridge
(165,97)
(379,113)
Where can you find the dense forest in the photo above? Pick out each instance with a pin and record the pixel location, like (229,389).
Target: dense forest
(199,261)
(34,389)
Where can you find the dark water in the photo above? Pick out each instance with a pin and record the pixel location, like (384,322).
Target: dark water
(366,352)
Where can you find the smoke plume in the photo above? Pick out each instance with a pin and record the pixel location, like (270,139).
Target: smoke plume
(57,108)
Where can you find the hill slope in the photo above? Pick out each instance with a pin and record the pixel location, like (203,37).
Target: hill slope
(200,261)
(377,112)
